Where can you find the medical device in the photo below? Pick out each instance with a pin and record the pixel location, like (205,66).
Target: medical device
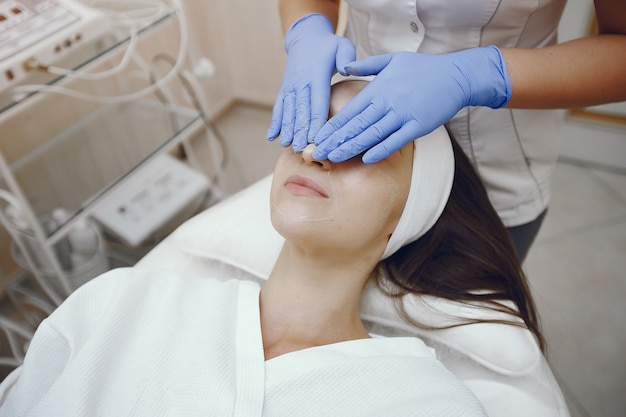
(38,33)
(46,47)
(126,19)
(148,200)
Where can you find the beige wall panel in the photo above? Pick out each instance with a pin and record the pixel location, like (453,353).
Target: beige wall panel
(210,38)
(256,43)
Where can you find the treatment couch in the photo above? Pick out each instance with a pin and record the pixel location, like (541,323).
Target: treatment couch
(501,364)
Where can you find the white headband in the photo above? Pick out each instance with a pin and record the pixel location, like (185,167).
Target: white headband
(431,182)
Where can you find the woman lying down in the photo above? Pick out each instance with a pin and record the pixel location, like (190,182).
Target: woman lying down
(135,342)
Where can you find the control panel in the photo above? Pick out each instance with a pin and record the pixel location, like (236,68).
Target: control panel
(151,197)
(37,33)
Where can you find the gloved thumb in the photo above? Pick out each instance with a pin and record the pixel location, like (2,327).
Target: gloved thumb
(346,53)
(368,66)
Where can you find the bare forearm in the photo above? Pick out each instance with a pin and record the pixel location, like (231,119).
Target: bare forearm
(579,73)
(292,10)
(582,72)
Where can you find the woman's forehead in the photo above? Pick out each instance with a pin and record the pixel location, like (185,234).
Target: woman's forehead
(342,92)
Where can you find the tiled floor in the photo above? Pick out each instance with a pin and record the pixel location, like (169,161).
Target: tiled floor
(250,156)
(577,268)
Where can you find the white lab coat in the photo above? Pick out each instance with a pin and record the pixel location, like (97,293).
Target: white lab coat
(514,151)
(141,343)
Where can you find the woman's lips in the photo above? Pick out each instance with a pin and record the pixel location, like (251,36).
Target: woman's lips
(299,185)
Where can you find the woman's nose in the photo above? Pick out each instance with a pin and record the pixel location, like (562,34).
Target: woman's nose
(307,157)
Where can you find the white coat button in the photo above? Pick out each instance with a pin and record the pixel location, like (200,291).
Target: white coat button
(414,27)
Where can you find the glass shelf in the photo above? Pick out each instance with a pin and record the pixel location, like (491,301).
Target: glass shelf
(75,168)
(80,57)
(60,152)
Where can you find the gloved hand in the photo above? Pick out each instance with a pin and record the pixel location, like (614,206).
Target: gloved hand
(313,54)
(411,96)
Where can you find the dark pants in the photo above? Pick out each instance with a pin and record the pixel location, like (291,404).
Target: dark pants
(524,235)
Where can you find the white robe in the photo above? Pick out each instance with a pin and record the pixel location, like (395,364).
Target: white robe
(142,343)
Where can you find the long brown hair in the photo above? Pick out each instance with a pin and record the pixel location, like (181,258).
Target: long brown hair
(467,257)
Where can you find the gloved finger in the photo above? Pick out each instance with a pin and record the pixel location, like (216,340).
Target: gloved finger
(346,132)
(320,100)
(369,137)
(289,119)
(407,133)
(369,66)
(360,104)
(303,119)
(277,118)
(346,53)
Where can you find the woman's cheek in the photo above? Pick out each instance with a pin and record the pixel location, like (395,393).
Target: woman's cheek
(380,205)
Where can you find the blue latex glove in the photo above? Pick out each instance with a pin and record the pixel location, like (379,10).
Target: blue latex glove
(314,52)
(411,96)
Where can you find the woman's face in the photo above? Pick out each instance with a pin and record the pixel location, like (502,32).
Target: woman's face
(344,207)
